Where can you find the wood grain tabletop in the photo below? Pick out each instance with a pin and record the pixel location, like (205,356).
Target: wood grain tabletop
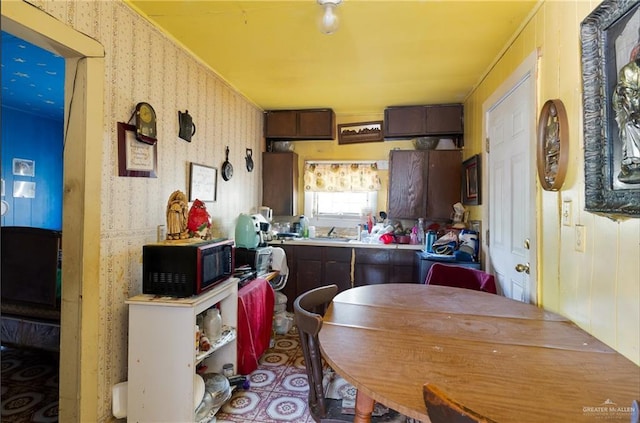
(506,360)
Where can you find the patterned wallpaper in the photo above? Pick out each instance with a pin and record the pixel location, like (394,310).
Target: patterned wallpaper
(144,65)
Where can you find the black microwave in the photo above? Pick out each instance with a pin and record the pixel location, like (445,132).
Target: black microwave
(183,268)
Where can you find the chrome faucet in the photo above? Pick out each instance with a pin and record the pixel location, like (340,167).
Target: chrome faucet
(330,231)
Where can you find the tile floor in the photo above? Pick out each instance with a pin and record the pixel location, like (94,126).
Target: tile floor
(278,388)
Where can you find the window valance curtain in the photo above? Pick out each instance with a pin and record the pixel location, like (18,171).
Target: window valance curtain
(340,177)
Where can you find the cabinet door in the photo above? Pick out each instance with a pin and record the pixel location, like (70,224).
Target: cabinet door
(371,266)
(280,182)
(316,124)
(444,119)
(309,268)
(403,267)
(337,267)
(404,121)
(407,198)
(444,183)
(280,124)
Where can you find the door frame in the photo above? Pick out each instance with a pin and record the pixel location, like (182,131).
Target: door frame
(527,69)
(84,128)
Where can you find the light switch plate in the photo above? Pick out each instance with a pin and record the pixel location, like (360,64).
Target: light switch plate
(566,213)
(581,238)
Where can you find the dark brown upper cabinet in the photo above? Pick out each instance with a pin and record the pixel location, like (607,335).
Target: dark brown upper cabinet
(427,120)
(424,183)
(280,182)
(309,124)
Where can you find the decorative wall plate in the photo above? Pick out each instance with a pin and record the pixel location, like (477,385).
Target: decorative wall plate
(553,145)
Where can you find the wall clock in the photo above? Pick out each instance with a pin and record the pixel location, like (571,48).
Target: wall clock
(553,145)
(146,123)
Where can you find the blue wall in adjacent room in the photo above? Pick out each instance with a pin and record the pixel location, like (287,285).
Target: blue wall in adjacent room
(31,137)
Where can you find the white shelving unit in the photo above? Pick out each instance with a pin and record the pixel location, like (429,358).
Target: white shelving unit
(162,354)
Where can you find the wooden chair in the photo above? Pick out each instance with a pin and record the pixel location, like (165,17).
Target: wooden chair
(442,409)
(461,277)
(308,309)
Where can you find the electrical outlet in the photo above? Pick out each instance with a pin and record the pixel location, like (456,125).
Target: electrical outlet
(581,238)
(566,213)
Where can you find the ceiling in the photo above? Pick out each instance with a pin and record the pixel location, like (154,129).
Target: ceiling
(385,53)
(32,78)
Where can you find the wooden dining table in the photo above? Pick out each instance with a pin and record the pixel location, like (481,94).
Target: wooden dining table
(506,360)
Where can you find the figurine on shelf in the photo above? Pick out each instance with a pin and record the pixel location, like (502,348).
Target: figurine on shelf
(177,216)
(199,221)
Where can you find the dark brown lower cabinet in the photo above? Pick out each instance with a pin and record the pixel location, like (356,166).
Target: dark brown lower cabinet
(311,267)
(375,266)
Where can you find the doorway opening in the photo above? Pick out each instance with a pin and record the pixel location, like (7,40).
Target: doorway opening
(83,114)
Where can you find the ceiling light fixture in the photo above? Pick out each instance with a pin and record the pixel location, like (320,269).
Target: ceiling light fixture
(329,20)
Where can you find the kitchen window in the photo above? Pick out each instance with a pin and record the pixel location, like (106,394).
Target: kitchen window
(340,193)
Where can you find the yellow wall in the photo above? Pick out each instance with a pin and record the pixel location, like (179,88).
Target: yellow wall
(331,150)
(600,288)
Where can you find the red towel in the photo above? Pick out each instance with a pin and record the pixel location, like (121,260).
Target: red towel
(255,319)
(461,277)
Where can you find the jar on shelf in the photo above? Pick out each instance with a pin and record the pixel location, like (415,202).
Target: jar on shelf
(213,324)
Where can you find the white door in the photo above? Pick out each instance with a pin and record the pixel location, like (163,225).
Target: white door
(511,128)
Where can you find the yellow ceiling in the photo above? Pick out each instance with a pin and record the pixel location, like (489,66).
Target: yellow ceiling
(385,53)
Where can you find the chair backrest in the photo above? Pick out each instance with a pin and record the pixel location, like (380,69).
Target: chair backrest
(461,277)
(442,409)
(308,309)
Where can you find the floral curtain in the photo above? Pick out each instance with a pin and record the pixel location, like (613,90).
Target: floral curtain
(338,177)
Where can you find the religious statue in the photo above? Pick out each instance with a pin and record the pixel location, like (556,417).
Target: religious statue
(177,207)
(626,104)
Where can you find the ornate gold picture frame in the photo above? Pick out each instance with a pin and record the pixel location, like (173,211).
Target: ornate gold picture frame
(610,71)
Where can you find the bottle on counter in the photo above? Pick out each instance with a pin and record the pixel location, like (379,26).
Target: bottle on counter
(414,236)
(420,230)
(430,239)
(304,227)
(213,324)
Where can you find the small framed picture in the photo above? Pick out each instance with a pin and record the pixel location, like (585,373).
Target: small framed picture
(203,182)
(351,133)
(24,167)
(471,181)
(24,189)
(135,158)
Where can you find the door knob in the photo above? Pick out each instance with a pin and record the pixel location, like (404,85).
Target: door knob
(522,268)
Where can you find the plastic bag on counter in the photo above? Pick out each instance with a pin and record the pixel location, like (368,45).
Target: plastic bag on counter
(446,244)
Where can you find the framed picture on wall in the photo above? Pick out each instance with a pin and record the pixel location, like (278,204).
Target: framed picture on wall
(471,181)
(24,167)
(135,158)
(203,183)
(351,133)
(611,111)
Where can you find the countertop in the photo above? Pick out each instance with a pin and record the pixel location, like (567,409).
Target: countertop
(342,242)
